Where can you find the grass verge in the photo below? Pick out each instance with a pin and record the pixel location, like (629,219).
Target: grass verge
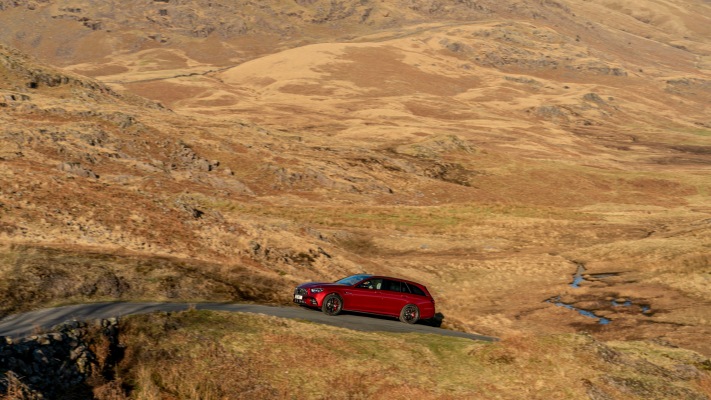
(213,355)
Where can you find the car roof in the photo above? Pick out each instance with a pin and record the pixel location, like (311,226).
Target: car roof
(394,278)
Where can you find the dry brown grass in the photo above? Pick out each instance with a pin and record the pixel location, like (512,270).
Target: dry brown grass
(212,355)
(485,158)
(15,389)
(33,276)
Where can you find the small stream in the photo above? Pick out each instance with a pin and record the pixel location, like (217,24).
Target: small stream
(625,303)
(644,308)
(579,277)
(601,320)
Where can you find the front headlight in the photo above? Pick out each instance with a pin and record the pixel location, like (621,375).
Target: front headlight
(317,290)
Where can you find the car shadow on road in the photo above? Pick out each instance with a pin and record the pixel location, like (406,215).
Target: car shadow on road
(435,321)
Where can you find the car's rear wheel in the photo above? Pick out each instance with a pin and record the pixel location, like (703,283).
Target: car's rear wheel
(332,304)
(409,314)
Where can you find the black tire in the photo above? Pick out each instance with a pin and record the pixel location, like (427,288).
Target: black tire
(332,304)
(409,314)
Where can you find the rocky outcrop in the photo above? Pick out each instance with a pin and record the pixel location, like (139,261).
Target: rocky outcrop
(286,256)
(75,168)
(48,365)
(35,76)
(187,158)
(30,5)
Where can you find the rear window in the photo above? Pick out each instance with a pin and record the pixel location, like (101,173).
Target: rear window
(415,290)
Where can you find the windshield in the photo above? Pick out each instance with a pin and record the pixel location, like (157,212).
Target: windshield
(353,279)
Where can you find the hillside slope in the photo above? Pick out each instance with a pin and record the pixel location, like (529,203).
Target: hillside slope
(225,151)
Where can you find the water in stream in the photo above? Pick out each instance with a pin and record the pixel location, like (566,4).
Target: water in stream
(578,278)
(601,320)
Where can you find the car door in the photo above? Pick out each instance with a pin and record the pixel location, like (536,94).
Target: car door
(418,297)
(365,296)
(394,297)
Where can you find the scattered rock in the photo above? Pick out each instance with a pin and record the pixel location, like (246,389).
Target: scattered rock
(75,168)
(52,364)
(286,255)
(188,158)
(15,97)
(436,146)
(449,172)
(593,97)
(606,70)
(190,209)
(553,113)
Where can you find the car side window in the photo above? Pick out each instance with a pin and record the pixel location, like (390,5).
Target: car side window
(405,288)
(415,290)
(392,285)
(371,284)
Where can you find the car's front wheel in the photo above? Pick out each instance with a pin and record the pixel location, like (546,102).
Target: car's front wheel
(410,314)
(332,304)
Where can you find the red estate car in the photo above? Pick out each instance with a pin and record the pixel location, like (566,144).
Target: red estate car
(365,293)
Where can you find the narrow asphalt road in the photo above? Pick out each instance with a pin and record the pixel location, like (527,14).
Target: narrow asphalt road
(23,325)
